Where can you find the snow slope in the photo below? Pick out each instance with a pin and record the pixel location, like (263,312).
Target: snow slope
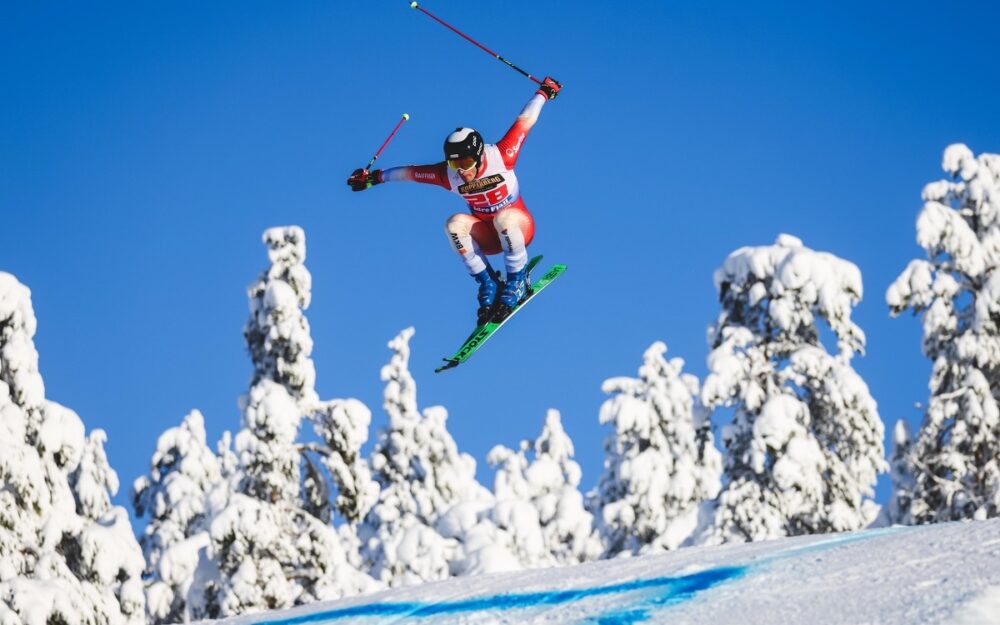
(946,573)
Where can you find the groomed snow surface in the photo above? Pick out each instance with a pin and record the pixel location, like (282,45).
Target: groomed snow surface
(944,573)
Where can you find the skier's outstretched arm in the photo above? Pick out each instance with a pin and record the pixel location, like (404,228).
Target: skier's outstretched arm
(427,174)
(510,145)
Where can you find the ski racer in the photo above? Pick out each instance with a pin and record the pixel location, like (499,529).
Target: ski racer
(498,220)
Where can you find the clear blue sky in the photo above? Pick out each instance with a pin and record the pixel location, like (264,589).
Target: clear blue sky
(144,147)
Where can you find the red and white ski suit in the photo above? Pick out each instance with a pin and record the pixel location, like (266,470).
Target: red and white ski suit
(497,220)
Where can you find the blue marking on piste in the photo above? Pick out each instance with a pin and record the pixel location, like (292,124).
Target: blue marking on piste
(665,591)
(628,616)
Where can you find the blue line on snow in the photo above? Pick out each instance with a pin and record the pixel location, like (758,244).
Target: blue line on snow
(669,591)
(640,612)
(624,617)
(676,589)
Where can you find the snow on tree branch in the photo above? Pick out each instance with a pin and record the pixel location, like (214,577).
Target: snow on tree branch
(805,444)
(950,471)
(66,554)
(277,332)
(421,475)
(661,463)
(343,425)
(177,495)
(269,543)
(538,518)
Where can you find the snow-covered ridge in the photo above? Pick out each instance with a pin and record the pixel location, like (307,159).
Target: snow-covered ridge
(945,573)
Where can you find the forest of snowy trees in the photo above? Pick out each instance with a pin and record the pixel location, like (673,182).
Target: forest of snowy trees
(291,510)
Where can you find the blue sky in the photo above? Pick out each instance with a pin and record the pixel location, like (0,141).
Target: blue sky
(144,147)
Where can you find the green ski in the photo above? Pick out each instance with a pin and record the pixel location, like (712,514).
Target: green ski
(482,333)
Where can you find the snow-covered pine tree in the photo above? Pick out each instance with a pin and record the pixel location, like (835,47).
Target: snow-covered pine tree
(553,481)
(277,332)
(805,444)
(310,550)
(343,424)
(898,510)
(67,556)
(267,550)
(422,475)
(505,535)
(955,458)
(176,496)
(537,517)
(567,527)
(661,462)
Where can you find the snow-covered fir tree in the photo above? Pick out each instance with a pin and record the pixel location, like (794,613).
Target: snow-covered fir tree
(805,444)
(277,335)
(277,332)
(512,523)
(421,475)
(342,425)
(267,547)
(548,487)
(661,462)
(567,527)
(177,497)
(898,510)
(955,459)
(67,556)
(536,517)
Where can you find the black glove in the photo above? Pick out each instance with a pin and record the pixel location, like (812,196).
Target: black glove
(362,179)
(550,88)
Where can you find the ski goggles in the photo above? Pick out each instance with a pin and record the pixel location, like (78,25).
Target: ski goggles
(462,164)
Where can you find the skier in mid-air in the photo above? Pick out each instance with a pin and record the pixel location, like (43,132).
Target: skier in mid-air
(483,174)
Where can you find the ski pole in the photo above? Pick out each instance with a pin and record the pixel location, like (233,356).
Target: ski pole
(406,116)
(416,6)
